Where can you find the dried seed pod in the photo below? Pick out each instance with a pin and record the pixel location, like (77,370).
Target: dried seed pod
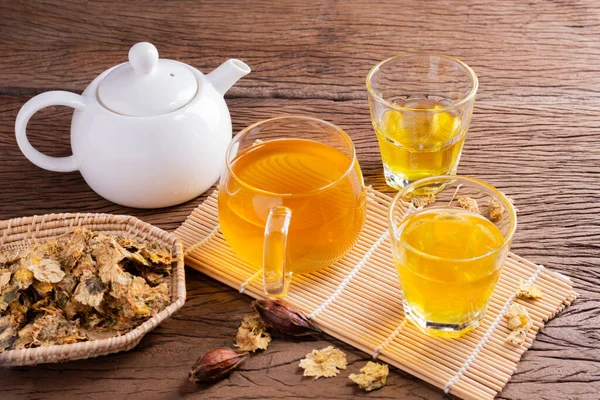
(284,318)
(216,364)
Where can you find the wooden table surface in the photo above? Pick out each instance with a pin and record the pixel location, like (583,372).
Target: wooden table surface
(535,134)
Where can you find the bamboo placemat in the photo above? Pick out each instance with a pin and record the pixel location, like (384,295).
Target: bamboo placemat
(358,300)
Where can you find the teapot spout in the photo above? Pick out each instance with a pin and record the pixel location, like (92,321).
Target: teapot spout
(227,74)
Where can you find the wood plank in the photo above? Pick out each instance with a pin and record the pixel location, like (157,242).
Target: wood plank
(543,154)
(522,51)
(535,135)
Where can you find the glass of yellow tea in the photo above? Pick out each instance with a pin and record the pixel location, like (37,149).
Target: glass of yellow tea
(421,106)
(292,198)
(449,245)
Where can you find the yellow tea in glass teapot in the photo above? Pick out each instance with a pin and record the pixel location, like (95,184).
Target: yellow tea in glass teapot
(292,199)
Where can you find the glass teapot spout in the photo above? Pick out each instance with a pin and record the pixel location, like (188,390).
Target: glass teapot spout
(227,74)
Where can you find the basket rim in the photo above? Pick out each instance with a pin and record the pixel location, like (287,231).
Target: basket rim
(91,348)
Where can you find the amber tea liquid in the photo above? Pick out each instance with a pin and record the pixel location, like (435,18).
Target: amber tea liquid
(303,175)
(444,267)
(416,145)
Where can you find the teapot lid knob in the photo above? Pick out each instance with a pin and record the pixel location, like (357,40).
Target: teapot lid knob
(143,57)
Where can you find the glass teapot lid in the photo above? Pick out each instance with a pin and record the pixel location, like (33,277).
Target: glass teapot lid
(146,85)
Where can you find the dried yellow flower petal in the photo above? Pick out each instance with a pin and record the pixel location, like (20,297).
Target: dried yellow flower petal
(251,334)
(373,376)
(495,210)
(518,322)
(517,337)
(529,291)
(422,201)
(518,316)
(468,204)
(325,362)
(47,271)
(23,277)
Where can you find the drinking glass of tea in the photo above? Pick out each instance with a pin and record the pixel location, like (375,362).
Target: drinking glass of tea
(292,198)
(450,237)
(421,107)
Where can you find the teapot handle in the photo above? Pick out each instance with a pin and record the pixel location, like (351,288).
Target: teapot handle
(54,98)
(275,277)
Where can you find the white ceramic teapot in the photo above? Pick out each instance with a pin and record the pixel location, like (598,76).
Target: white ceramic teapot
(146,133)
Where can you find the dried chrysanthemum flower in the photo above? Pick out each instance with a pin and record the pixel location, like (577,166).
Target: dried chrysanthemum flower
(73,247)
(468,204)
(517,316)
(529,291)
(47,271)
(325,362)
(251,334)
(422,201)
(23,277)
(373,376)
(8,331)
(43,288)
(18,311)
(517,337)
(90,290)
(160,257)
(495,210)
(518,321)
(82,277)
(138,300)
(53,329)
(8,295)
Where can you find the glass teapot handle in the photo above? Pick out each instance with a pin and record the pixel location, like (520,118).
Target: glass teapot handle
(276,278)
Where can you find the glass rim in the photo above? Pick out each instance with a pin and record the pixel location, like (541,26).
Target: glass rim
(246,131)
(508,206)
(462,101)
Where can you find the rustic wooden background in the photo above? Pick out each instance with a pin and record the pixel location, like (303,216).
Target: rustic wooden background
(535,134)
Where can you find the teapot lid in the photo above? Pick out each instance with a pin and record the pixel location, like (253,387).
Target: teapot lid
(147,86)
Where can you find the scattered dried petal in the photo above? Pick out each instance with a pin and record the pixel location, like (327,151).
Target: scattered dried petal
(495,210)
(518,322)
(325,362)
(529,291)
(468,204)
(251,334)
(47,271)
(215,365)
(518,314)
(517,337)
(284,318)
(422,201)
(373,376)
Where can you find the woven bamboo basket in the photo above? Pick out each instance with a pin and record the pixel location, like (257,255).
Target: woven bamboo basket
(23,232)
